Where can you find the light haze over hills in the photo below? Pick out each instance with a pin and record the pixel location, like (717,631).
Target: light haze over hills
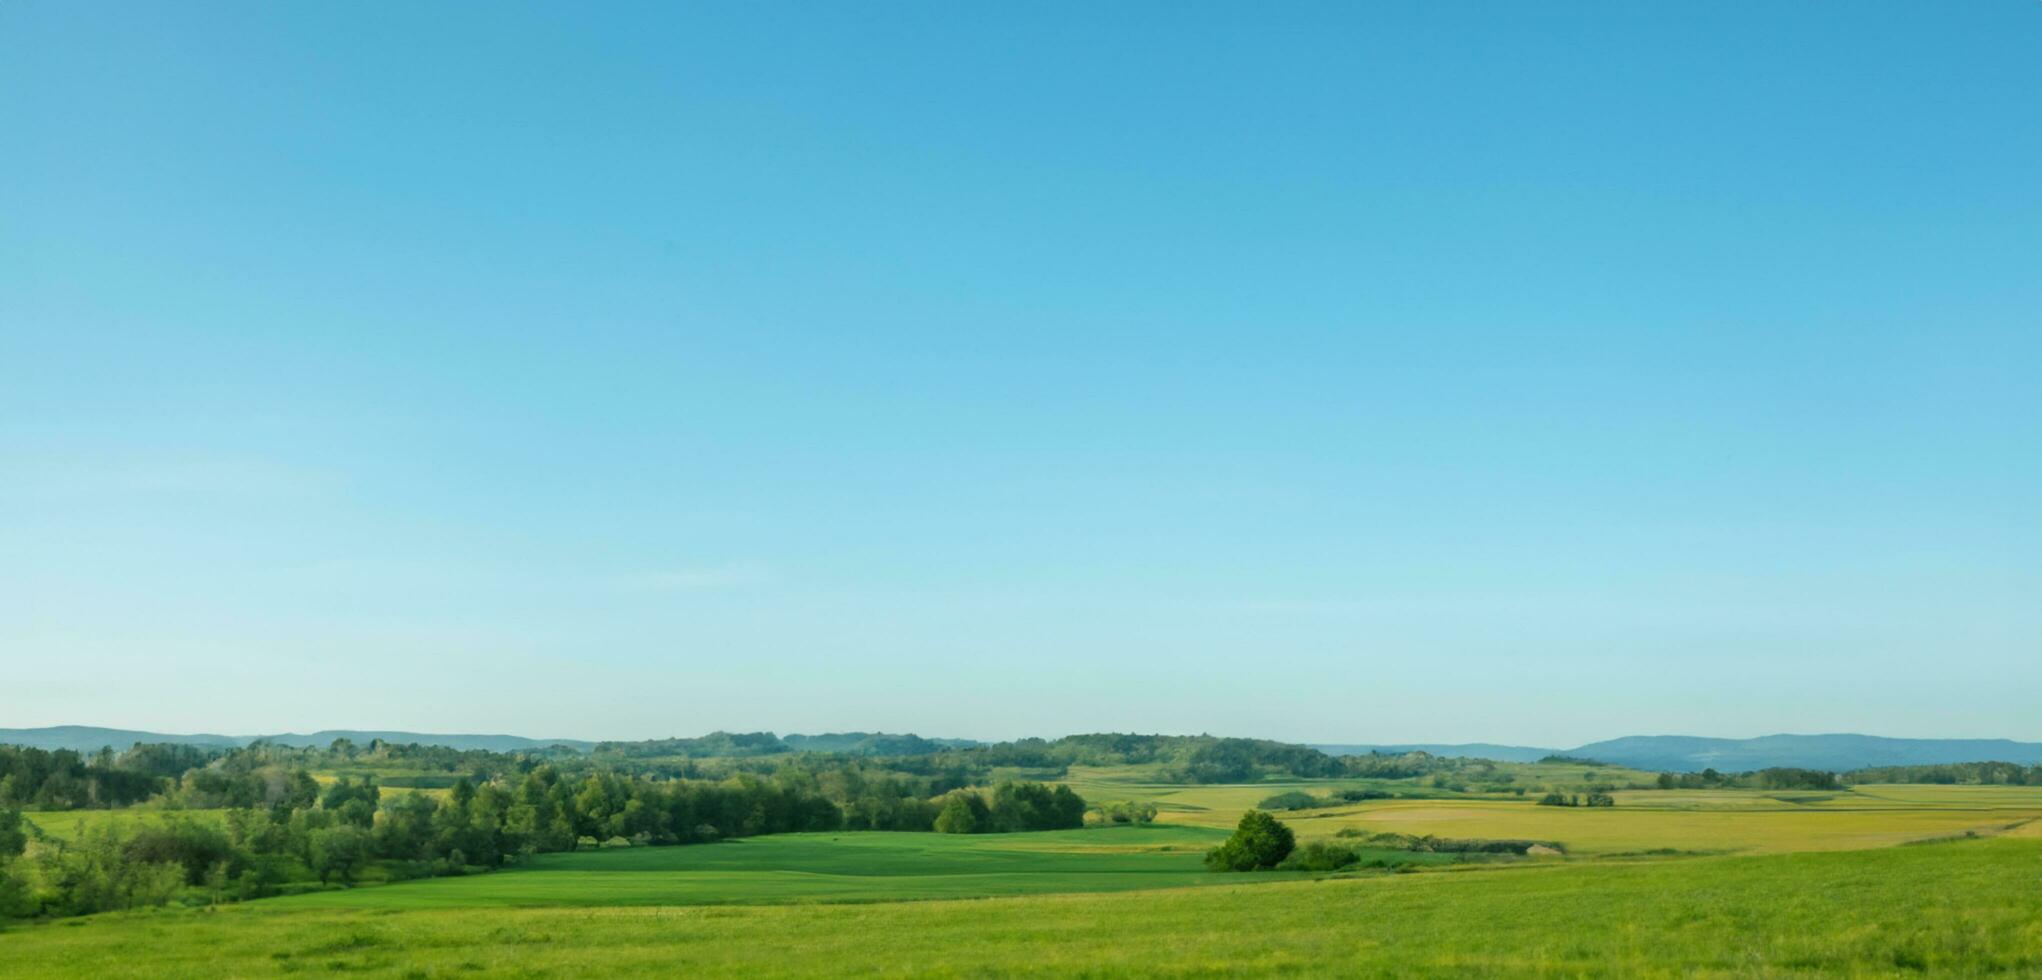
(1674,753)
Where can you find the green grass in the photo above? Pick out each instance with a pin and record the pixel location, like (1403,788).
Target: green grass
(1967,908)
(840,867)
(1704,882)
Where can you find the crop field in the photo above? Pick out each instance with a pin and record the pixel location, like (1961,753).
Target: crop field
(1620,830)
(1667,882)
(1969,906)
(1693,821)
(833,867)
(1221,805)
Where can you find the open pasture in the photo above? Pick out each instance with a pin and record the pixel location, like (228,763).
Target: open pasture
(829,867)
(1970,907)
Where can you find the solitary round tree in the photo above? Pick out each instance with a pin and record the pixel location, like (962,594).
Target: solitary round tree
(1259,841)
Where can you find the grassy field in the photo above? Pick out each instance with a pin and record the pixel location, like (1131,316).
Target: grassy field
(1970,908)
(1692,882)
(840,867)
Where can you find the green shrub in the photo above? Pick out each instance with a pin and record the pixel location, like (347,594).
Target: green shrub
(1319,856)
(1293,800)
(1260,841)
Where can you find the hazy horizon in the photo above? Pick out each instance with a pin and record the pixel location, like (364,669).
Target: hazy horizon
(1430,373)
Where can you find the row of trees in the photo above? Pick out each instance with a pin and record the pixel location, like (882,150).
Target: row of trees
(1774,778)
(1597,799)
(1015,806)
(67,780)
(1953,773)
(285,832)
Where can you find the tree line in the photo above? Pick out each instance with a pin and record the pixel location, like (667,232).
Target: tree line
(1952,773)
(284,832)
(1778,777)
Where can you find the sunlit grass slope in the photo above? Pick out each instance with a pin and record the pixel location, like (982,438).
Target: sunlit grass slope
(1968,908)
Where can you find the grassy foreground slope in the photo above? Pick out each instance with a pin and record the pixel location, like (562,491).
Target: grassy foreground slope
(1969,907)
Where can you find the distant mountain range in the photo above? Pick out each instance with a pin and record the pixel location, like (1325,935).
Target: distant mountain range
(1463,750)
(1655,753)
(85,738)
(1685,753)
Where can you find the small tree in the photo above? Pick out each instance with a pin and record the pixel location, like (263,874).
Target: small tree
(964,813)
(1259,841)
(1320,856)
(339,852)
(13,834)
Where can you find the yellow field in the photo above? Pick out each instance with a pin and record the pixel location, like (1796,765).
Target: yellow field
(1710,821)
(1620,829)
(1703,821)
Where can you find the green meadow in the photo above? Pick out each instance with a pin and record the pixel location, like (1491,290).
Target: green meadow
(1965,908)
(1854,880)
(833,867)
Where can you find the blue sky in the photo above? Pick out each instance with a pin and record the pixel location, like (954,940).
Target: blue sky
(1334,372)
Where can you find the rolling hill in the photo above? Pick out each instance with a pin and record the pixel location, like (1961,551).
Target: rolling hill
(87,738)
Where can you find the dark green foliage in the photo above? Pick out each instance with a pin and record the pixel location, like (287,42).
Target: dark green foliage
(194,846)
(1319,856)
(1357,795)
(66,780)
(1016,806)
(1447,845)
(1260,841)
(337,853)
(1123,811)
(964,813)
(353,802)
(863,744)
(1955,773)
(714,744)
(13,833)
(1293,800)
(1788,778)
(1777,778)
(1594,798)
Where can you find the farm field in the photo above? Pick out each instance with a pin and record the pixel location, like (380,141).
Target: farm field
(1702,821)
(1630,830)
(1970,906)
(1863,879)
(831,867)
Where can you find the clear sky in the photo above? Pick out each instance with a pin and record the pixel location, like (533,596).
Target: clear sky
(1338,372)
